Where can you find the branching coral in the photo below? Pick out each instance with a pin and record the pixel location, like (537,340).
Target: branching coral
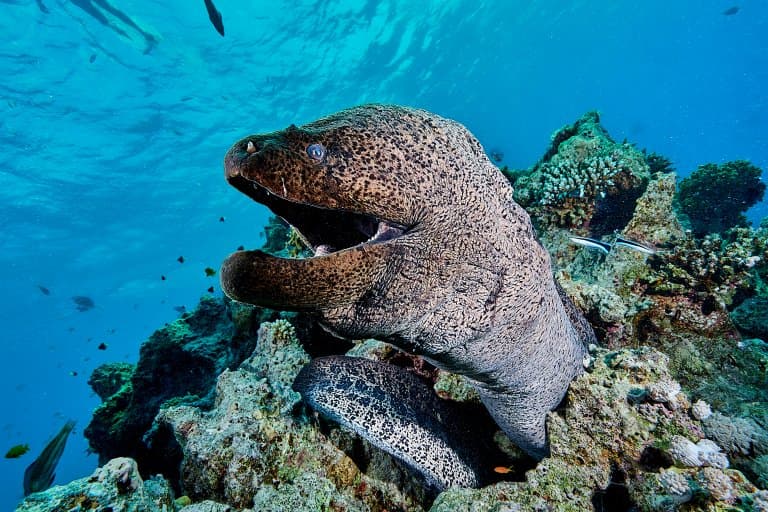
(585,180)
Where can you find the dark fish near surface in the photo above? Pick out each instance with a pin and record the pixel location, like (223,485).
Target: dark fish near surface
(731,11)
(44,290)
(215,17)
(83,303)
(40,474)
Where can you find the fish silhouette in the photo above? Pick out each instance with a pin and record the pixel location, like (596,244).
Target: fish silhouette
(40,474)
(215,16)
(83,303)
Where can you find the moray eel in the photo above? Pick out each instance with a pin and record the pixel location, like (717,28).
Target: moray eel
(418,242)
(398,412)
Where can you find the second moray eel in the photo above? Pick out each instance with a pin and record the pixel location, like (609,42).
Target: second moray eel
(418,243)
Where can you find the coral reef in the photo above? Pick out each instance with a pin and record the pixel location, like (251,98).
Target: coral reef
(115,486)
(658,163)
(715,197)
(109,378)
(612,444)
(585,181)
(677,424)
(751,317)
(177,364)
(249,450)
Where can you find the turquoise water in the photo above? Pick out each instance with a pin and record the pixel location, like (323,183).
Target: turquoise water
(112,137)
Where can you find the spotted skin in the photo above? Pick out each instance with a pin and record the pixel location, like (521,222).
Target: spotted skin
(467,286)
(394,410)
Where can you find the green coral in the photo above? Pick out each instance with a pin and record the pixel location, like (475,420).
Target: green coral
(276,234)
(715,197)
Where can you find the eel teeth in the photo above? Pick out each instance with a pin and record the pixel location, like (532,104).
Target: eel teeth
(251,148)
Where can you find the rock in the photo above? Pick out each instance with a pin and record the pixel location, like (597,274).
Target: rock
(751,317)
(115,486)
(250,448)
(177,364)
(606,448)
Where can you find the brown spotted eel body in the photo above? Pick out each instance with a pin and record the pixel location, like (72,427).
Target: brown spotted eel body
(417,242)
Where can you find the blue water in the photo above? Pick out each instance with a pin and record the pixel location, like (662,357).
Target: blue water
(111,143)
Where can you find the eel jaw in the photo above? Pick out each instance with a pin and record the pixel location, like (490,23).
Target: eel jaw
(353,254)
(324,230)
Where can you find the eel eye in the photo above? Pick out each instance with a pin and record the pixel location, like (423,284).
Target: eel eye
(316,152)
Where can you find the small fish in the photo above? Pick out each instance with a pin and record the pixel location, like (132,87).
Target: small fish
(215,17)
(241,247)
(210,289)
(73,373)
(591,243)
(40,474)
(502,470)
(630,244)
(92,58)
(180,309)
(83,303)
(731,11)
(102,346)
(14,452)
(222,219)
(162,278)
(180,259)
(44,290)
(209,272)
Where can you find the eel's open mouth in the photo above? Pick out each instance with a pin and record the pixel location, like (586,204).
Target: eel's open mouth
(323,230)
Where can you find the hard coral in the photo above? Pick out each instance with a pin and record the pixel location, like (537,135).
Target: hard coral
(715,197)
(255,449)
(178,364)
(609,444)
(115,486)
(585,180)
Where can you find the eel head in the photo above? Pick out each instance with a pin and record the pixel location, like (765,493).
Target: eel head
(373,192)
